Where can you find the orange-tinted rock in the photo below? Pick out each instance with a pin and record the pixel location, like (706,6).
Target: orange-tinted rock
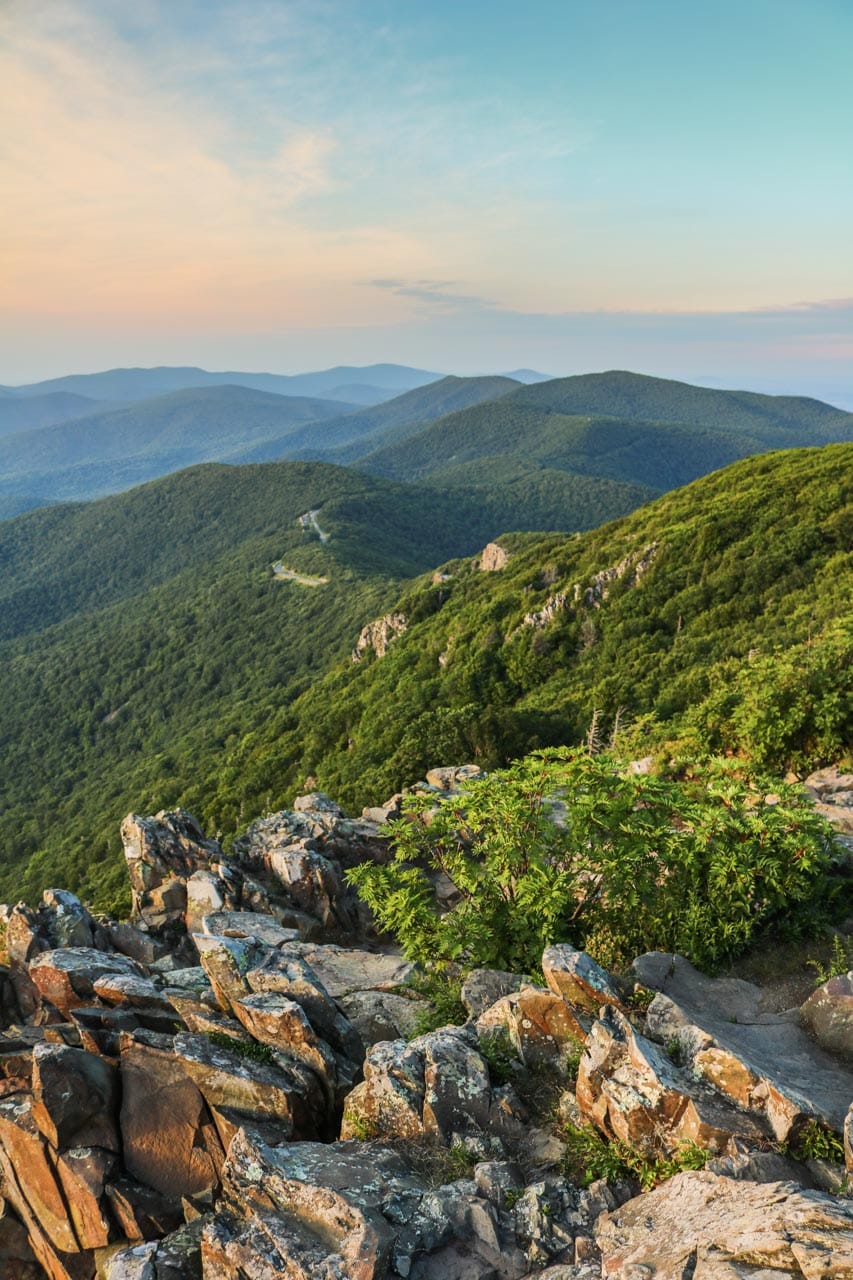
(632,1091)
(170,1140)
(541,1027)
(576,977)
(65,978)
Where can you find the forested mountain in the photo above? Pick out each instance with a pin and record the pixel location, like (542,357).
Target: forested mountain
(23,413)
(620,425)
(722,611)
(106,452)
(153,658)
(144,635)
(348,437)
(141,384)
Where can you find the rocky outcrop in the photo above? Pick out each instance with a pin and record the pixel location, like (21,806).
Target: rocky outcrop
(376,637)
(228,1087)
(763,1061)
(492,558)
(702,1225)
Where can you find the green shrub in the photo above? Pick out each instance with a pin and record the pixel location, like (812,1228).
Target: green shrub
(442,1000)
(589,1156)
(839,963)
(564,846)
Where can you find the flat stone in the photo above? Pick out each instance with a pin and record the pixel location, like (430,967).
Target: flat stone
(711,1228)
(170,1141)
(248,924)
(284,1090)
(764,1061)
(343,971)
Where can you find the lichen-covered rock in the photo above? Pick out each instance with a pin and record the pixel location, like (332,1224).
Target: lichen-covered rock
(633,1091)
(227,961)
(540,1026)
(828,1014)
(303,1211)
(275,1020)
(438,1084)
(176,1257)
(706,1226)
(75,1098)
(576,977)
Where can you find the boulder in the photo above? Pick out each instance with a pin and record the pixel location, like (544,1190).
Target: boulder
(381,1015)
(438,1084)
(828,1014)
(227,961)
(542,1029)
(633,1091)
(267,1086)
(170,1141)
(576,977)
(709,1227)
(75,1098)
(484,987)
(764,1061)
(275,1020)
(290,975)
(66,978)
(248,924)
(161,854)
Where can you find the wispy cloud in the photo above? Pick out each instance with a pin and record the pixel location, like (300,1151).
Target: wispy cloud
(435,293)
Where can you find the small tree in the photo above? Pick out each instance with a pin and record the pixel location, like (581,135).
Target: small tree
(565,846)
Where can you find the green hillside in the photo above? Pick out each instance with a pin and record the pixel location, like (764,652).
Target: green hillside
(146,640)
(347,437)
(722,611)
(105,452)
(660,434)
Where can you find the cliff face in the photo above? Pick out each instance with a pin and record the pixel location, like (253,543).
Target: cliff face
(232,1085)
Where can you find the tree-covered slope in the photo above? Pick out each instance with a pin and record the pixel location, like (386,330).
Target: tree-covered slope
(351,435)
(620,426)
(645,617)
(145,638)
(106,452)
(25,413)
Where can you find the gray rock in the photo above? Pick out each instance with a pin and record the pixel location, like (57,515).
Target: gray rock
(484,987)
(765,1062)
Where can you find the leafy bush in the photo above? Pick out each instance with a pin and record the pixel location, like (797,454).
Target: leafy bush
(501,1058)
(251,1050)
(442,1005)
(568,847)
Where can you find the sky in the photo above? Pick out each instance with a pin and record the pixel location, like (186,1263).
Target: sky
(461,185)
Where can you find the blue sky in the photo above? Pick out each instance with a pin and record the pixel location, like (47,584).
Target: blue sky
(460,185)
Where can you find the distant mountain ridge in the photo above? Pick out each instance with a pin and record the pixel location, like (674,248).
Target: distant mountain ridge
(345,438)
(141,383)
